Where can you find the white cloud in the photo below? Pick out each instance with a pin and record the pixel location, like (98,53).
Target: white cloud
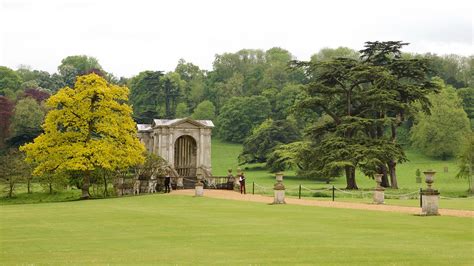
(131,36)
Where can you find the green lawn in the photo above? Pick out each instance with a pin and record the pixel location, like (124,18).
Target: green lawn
(167,229)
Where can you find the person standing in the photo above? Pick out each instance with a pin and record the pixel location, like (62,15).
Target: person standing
(242,183)
(167,182)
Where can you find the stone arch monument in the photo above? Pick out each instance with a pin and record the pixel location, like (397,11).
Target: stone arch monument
(184,143)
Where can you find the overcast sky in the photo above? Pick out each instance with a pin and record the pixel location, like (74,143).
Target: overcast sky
(135,35)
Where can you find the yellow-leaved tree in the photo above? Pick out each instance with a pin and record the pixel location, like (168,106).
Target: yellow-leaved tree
(89,126)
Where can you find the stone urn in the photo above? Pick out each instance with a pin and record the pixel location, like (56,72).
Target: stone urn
(430,196)
(199,187)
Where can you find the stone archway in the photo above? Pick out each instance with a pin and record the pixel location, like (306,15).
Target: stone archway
(185,156)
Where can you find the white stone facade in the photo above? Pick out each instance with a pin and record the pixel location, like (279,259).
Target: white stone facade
(183,143)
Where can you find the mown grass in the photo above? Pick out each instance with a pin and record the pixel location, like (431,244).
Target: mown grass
(168,229)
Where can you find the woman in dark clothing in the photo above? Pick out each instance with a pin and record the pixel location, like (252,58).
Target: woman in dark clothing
(167,182)
(242,183)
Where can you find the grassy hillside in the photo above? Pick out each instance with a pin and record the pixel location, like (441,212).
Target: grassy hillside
(168,229)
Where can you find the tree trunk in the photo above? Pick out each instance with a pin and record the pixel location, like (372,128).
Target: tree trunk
(10,188)
(85,186)
(51,187)
(350,178)
(28,184)
(105,186)
(385,182)
(393,174)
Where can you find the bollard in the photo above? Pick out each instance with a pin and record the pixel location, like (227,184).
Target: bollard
(279,190)
(299,193)
(421,197)
(333,188)
(430,196)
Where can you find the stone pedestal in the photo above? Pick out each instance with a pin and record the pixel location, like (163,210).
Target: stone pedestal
(379,192)
(379,196)
(279,190)
(279,197)
(199,190)
(430,202)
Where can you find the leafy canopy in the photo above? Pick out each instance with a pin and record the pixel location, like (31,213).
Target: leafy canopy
(88,127)
(440,133)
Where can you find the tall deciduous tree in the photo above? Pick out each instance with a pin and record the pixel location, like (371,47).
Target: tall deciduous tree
(6,112)
(9,80)
(440,133)
(27,118)
(77,65)
(467,97)
(38,94)
(88,127)
(13,170)
(326,54)
(146,94)
(466,161)
(239,116)
(265,138)
(205,111)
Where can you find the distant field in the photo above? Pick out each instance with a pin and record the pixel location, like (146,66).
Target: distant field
(168,229)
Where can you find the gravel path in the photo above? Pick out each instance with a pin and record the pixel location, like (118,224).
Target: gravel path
(231,195)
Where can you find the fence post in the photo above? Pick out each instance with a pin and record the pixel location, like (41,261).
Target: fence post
(333,192)
(299,193)
(253,188)
(421,197)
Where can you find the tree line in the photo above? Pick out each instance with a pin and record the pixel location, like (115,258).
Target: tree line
(340,111)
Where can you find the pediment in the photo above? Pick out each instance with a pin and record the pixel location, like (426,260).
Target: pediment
(182,123)
(185,125)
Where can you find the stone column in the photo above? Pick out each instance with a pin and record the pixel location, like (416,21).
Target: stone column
(430,196)
(379,194)
(199,187)
(279,189)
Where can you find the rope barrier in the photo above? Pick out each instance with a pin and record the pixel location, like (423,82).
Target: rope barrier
(316,190)
(449,198)
(264,190)
(352,193)
(401,195)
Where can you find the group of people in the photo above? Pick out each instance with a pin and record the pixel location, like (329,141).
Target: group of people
(241,177)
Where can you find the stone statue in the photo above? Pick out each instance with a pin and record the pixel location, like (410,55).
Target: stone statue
(136,187)
(152,184)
